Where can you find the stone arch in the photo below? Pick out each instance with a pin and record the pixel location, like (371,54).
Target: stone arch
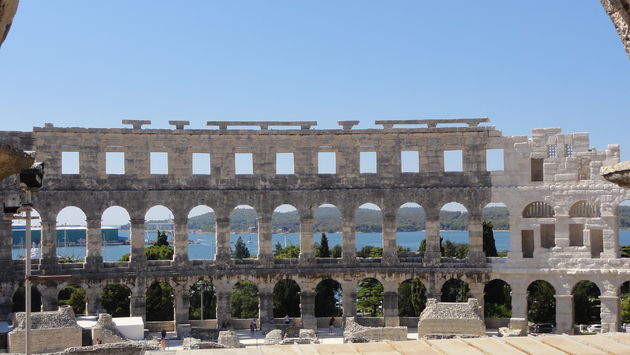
(244,300)
(160,302)
(203,300)
(541,302)
(538,209)
(586,303)
(327,218)
(73,295)
(286,298)
(19,298)
(328,298)
(624,300)
(370,297)
(244,225)
(412,297)
(496,217)
(455,290)
(18,227)
(70,230)
(454,217)
(285,230)
(202,232)
(497,299)
(112,217)
(585,208)
(158,218)
(410,227)
(371,240)
(116,299)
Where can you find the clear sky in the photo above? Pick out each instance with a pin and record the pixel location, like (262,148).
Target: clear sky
(524,64)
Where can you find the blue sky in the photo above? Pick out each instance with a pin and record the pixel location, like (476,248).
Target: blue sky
(524,64)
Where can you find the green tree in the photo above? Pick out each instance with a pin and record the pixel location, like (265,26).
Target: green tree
(625,308)
(497,299)
(159,300)
(335,252)
(324,251)
(244,300)
(73,296)
(326,297)
(412,298)
(160,250)
(286,298)
(370,251)
(291,251)
(370,297)
(240,249)
(162,239)
(541,303)
(586,303)
(209,301)
(115,300)
(455,290)
(19,297)
(489,245)
(277,249)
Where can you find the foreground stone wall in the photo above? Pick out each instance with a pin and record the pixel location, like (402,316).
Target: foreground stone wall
(446,318)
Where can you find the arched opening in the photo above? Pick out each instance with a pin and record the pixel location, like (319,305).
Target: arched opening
(412,298)
(327,221)
(496,229)
(454,230)
(202,224)
(584,208)
(115,226)
(369,229)
(159,302)
(158,230)
(328,296)
(116,300)
(370,298)
(203,301)
(586,303)
(579,214)
(455,290)
(623,215)
(535,210)
(410,226)
(538,209)
(541,303)
(624,299)
(18,227)
(497,299)
(19,298)
(243,232)
(285,237)
(71,235)
(74,296)
(244,300)
(286,299)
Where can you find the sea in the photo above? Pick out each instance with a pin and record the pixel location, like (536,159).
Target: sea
(204,246)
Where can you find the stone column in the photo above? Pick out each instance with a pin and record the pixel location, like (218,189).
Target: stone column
(137,300)
(562,231)
(94,244)
(49,297)
(48,243)
(93,293)
(223,240)
(475,240)
(265,307)
(306,240)
(564,314)
(180,240)
(390,248)
(538,250)
(307,310)
(6,241)
(611,237)
(138,257)
(432,253)
(264,238)
(516,248)
(477,291)
(224,311)
(348,244)
(349,298)
(609,313)
(390,309)
(518,321)
(182,305)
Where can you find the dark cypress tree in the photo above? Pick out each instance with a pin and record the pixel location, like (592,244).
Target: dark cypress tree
(324,251)
(240,249)
(489,246)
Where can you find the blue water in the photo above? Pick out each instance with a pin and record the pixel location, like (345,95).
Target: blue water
(207,247)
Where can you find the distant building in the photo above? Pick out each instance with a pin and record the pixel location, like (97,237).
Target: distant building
(73,235)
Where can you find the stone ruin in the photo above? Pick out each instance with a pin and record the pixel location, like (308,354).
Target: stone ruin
(280,337)
(355,333)
(51,331)
(448,319)
(106,331)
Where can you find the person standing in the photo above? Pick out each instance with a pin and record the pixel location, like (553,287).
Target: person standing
(331,325)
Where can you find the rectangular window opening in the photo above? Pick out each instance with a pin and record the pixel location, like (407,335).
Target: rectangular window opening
(244,163)
(453,160)
(409,161)
(159,163)
(548,235)
(284,164)
(367,162)
(495,160)
(527,243)
(568,148)
(114,163)
(537,169)
(576,235)
(552,151)
(69,162)
(201,163)
(326,163)
(597,242)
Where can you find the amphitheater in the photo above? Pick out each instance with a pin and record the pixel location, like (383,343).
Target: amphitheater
(563,215)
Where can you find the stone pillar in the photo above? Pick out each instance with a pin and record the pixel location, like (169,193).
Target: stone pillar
(224,311)
(182,305)
(562,231)
(307,310)
(516,248)
(390,309)
(264,238)
(6,241)
(137,300)
(519,311)
(94,245)
(49,243)
(306,240)
(265,307)
(477,291)
(564,314)
(538,249)
(349,298)
(609,313)
(138,257)
(475,240)
(390,247)
(223,240)
(432,253)
(611,237)
(180,240)
(348,244)
(49,297)
(93,294)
